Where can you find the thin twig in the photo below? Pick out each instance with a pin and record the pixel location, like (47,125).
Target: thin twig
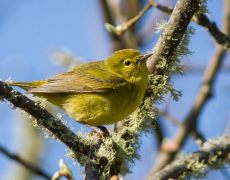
(173,32)
(131,8)
(198,69)
(170,117)
(64,171)
(214,153)
(117,42)
(198,136)
(45,119)
(164,111)
(122,28)
(91,172)
(202,20)
(171,37)
(203,95)
(158,129)
(29,166)
(165,48)
(196,133)
(49,122)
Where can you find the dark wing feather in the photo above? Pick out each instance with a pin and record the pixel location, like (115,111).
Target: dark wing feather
(90,77)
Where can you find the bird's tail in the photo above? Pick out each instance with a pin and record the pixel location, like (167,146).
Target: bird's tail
(27,85)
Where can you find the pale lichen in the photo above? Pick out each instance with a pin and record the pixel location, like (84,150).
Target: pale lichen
(203,7)
(196,166)
(214,154)
(121,148)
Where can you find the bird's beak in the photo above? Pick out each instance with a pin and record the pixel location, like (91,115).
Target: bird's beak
(145,57)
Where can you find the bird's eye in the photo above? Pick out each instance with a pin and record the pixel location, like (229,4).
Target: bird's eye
(127,62)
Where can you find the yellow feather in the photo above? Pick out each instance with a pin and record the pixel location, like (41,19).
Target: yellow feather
(97,93)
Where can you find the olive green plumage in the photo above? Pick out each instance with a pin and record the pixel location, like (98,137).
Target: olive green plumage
(97,93)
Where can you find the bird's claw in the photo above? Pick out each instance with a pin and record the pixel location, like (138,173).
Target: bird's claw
(101,133)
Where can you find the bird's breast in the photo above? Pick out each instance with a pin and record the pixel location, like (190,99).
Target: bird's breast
(104,108)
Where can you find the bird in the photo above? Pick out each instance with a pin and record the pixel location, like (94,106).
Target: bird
(97,93)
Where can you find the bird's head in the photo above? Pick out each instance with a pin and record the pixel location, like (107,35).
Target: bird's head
(130,64)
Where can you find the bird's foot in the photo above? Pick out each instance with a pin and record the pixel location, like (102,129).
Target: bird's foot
(102,132)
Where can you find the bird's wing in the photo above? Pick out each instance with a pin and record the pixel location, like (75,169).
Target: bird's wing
(91,77)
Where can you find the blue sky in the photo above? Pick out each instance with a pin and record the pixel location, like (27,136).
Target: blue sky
(30,30)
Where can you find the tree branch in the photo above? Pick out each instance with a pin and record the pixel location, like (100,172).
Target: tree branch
(122,28)
(205,92)
(117,42)
(63,171)
(202,20)
(45,119)
(91,172)
(159,131)
(31,167)
(165,49)
(214,154)
(173,33)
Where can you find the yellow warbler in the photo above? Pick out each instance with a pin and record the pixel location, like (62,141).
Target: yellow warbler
(97,93)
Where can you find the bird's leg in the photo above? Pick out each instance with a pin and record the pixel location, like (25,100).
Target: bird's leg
(102,130)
